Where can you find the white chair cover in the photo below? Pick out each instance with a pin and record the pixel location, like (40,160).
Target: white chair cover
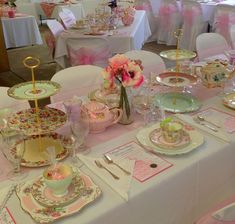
(232,34)
(78,80)
(88,50)
(209,44)
(7,101)
(67,17)
(91,5)
(193,24)
(224,18)
(169,20)
(151,62)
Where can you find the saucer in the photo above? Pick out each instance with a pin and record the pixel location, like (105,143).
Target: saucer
(44,195)
(157,139)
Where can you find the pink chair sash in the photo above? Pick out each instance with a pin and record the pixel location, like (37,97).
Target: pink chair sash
(189,15)
(144,6)
(51,42)
(87,56)
(222,24)
(165,13)
(47,8)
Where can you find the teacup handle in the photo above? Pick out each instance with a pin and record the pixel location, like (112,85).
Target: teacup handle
(116,118)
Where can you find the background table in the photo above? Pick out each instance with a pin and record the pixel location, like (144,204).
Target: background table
(21,31)
(124,39)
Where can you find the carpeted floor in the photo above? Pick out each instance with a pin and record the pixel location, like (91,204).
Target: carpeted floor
(47,67)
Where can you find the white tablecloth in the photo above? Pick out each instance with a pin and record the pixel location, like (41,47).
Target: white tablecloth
(21,31)
(127,38)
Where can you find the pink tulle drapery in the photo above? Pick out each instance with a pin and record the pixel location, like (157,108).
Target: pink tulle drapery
(165,13)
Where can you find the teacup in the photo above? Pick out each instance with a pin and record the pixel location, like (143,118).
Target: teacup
(58,178)
(172,132)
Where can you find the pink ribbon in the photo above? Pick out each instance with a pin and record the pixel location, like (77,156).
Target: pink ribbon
(144,6)
(51,43)
(47,8)
(165,13)
(189,15)
(87,56)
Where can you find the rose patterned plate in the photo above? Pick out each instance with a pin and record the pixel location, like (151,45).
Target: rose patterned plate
(28,122)
(87,194)
(157,139)
(176,79)
(182,54)
(44,195)
(229,100)
(24,90)
(196,139)
(35,146)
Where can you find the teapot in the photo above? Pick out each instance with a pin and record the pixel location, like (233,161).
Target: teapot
(215,73)
(100,116)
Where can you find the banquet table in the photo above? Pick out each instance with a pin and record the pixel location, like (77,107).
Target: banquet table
(21,31)
(52,10)
(178,195)
(123,39)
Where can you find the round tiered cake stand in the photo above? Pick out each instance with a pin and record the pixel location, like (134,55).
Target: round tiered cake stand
(177,102)
(38,124)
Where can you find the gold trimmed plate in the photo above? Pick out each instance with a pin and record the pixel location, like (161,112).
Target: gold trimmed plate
(229,100)
(182,54)
(176,79)
(87,194)
(197,139)
(44,195)
(28,121)
(35,154)
(24,90)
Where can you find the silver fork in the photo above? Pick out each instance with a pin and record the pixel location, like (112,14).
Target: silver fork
(206,125)
(100,165)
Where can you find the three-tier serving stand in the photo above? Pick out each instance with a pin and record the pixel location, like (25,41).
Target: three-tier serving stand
(38,124)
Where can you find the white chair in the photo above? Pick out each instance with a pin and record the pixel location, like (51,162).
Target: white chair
(88,51)
(90,5)
(193,24)
(151,62)
(232,34)
(210,44)
(27,8)
(67,17)
(77,80)
(224,18)
(50,37)
(7,101)
(169,20)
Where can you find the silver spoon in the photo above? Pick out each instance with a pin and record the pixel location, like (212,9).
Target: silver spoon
(206,125)
(201,118)
(109,160)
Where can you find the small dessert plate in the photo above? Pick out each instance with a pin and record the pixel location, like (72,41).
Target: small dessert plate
(157,138)
(44,195)
(229,100)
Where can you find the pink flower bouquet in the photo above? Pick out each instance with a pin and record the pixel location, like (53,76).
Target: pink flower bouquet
(124,72)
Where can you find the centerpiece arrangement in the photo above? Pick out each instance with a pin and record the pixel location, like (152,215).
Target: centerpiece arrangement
(123,73)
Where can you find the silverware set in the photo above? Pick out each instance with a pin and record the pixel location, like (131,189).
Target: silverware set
(204,122)
(109,160)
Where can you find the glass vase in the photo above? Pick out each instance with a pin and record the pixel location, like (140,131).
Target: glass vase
(126,106)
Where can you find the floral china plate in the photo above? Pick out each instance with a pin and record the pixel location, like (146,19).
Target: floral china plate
(157,139)
(88,193)
(24,90)
(33,123)
(44,195)
(196,139)
(229,100)
(35,149)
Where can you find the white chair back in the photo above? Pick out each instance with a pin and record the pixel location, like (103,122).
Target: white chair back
(67,17)
(193,24)
(90,5)
(27,8)
(88,50)
(210,44)
(78,80)
(151,62)
(55,27)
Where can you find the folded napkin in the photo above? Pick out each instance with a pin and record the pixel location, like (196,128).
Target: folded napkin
(122,185)
(226,213)
(219,134)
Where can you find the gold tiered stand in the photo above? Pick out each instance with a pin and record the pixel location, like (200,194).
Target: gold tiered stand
(38,124)
(177,102)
